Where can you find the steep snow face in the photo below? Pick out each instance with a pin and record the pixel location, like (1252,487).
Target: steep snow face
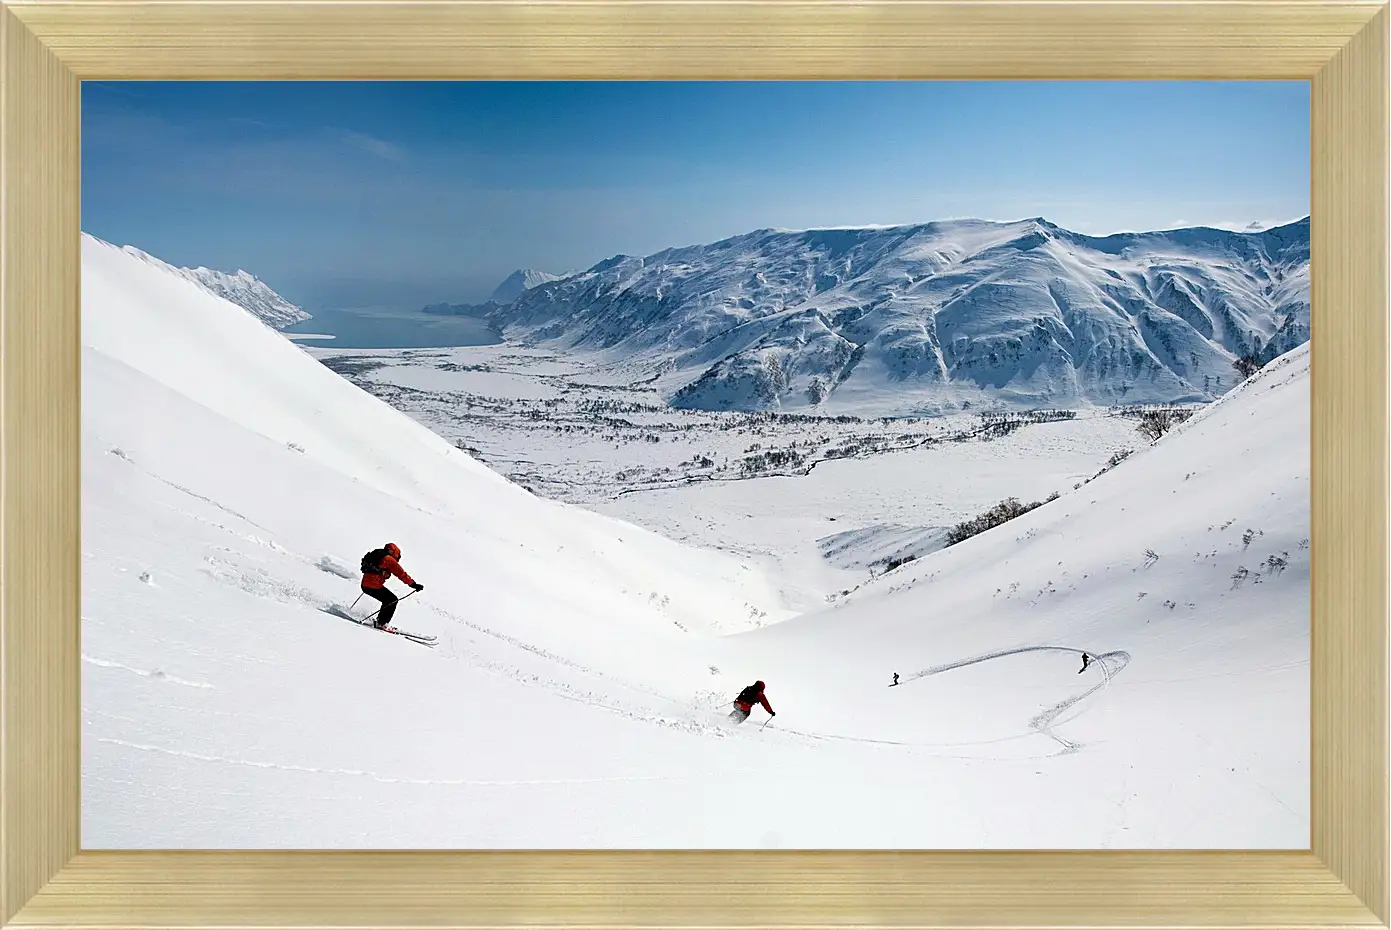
(190,355)
(925,319)
(523,279)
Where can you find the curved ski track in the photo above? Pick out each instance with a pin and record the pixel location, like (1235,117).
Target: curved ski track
(1041,723)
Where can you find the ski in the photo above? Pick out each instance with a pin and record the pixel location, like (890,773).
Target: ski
(421,638)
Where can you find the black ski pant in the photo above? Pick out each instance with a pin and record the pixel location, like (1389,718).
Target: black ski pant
(388,604)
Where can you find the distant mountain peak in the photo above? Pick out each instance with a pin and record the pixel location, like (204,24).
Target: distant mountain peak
(520,281)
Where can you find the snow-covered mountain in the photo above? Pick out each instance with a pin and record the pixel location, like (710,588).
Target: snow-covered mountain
(230,483)
(243,289)
(508,291)
(935,317)
(523,279)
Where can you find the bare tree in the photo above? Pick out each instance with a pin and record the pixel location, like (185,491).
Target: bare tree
(1247,366)
(1155,423)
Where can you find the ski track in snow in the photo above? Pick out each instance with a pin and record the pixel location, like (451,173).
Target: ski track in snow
(260,583)
(153,674)
(560,689)
(515,672)
(590,698)
(375,776)
(120,454)
(1041,723)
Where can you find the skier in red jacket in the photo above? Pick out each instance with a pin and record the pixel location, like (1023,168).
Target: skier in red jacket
(377,566)
(743,704)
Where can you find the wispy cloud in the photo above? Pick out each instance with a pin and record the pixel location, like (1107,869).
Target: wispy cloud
(113,87)
(1258,225)
(379,147)
(122,130)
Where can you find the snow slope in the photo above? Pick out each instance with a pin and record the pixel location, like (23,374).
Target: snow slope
(230,483)
(199,356)
(243,289)
(1185,568)
(924,319)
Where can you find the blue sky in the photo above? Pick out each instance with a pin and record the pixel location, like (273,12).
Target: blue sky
(370,194)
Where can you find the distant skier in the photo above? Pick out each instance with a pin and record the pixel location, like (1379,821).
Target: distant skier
(743,704)
(895,679)
(377,566)
(1086,660)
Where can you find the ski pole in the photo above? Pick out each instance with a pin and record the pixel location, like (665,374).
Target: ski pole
(379,609)
(354,603)
(398,600)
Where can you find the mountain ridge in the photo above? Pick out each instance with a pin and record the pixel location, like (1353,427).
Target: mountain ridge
(934,317)
(242,288)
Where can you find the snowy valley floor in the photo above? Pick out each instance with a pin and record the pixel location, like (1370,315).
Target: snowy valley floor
(822,502)
(573,699)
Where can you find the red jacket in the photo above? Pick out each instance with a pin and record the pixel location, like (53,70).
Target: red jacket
(762,699)
(388,565)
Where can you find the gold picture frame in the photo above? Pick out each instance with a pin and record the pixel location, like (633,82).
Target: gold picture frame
(50,46)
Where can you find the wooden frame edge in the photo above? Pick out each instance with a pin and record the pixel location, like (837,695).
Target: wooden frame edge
(40,477)
(1348,269)
(602,889)
(46,881)
(678,39)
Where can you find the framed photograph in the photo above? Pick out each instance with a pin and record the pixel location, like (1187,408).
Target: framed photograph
(658,464)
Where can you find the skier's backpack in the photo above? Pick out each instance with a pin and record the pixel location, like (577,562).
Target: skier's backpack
(748,696)
(372,562)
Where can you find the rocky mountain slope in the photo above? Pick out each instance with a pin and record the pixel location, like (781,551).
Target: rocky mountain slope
(935,317)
